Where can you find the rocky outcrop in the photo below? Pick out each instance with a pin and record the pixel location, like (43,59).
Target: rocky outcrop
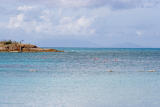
(39,50)
(18,47)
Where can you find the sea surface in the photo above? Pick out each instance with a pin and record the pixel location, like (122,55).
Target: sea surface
(81,77)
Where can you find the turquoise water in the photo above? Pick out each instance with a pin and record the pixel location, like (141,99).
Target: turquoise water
(79,77)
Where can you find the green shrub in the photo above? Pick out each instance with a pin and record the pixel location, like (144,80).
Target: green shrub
(7,42)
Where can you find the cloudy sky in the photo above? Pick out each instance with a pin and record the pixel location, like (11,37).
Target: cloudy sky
(81,23)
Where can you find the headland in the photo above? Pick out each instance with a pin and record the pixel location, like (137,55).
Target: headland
(13,46)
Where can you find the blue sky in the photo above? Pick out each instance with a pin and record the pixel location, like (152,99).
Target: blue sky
(82,23)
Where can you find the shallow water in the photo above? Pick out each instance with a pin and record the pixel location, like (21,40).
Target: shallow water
(79,77)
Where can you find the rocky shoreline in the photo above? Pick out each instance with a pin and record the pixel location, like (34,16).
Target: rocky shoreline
(12,46)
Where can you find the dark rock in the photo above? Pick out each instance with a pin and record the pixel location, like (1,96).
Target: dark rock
(152,71)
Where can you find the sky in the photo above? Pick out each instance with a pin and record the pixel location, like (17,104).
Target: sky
(82,23)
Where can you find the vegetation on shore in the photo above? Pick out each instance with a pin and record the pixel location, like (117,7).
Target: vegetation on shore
(7,42)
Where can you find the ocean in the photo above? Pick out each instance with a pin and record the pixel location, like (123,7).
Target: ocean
(81,77)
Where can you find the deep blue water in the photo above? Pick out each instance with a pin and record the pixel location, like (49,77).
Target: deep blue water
(79,77)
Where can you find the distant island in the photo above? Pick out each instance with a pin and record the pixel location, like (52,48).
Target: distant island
(13,46)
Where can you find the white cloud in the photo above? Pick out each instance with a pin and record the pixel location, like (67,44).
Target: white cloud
(139,33)
(63,25)
(113,4)
(25,8)
(80,26)
(16,21)
(67,21)
(46,15)
(74,3)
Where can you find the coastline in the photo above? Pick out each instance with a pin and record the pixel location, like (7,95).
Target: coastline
(17,47)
